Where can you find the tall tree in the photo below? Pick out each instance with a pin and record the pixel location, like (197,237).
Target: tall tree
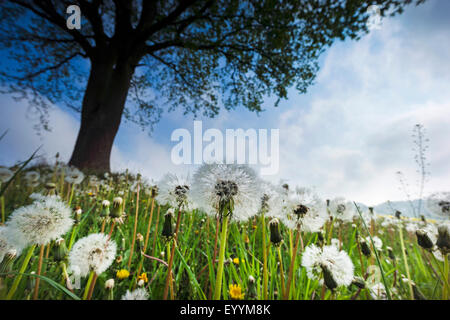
(133,58)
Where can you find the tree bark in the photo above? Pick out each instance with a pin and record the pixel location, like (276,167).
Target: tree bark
(101,113)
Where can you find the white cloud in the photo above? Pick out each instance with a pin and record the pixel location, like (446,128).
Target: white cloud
(356,132)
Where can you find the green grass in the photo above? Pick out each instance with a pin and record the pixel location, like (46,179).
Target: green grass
(193,268)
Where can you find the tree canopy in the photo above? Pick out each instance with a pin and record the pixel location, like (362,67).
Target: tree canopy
(197,55)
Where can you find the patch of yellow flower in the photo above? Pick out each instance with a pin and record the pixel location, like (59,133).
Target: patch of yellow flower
(123,274)
(143,277)
(235,292)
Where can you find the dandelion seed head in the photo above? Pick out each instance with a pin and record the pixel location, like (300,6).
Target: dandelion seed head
(138,294)
(439,204)
(74,176)
(215,183)
(341,209)
(5,174)
(5,245)
(336,261)
(92,253)
(377,242)
(303,206)
(175,191)
(46,219)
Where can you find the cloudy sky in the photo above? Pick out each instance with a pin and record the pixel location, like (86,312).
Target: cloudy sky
(347,136)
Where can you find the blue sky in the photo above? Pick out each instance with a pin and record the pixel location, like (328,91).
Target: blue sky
(346,137)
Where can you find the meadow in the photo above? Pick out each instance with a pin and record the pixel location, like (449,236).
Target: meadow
(222,234)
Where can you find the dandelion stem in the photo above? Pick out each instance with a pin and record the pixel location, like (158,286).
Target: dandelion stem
(280,259)
(135,228)
(388,293)
(156,231)
(446,269)
(405,261)
(265,273)
(72,237)
(149,225)
(88,285)
(172,253)
(215,250)
(92,286)
(71,194)
(21,271)
(36,286)
(219,274)
(291,268)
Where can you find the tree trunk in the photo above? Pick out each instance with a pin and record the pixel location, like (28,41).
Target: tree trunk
(101,113)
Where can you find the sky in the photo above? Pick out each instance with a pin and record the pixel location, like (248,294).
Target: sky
(347,136)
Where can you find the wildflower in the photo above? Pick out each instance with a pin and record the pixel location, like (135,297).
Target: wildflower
(359,282)
(6,245)
(109,284)
(272,199)
(341,209)
(32,178)
(275,236)
(122,274)
(376,241)
(175,191)
(5,174)
(93,253)
(335,265)
(378,291)
(44,220)
(117,210)
(167,231)
(236,261)
(143,277)
(235,292)
(74,176)
(60,250)
(138,294)
(7,260)
(303,207)
(365,248)
(443,239)
(424,240)
(227,189)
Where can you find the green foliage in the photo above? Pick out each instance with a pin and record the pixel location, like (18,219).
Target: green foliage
(197,55)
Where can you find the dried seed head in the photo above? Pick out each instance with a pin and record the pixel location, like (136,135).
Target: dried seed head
(301,210)
(359,282)
(330,282)
(167,231)
(365,248)
(275,235)
(8,261)
(443,240)
(424,240)
(109,284)
(226,189)
(60,250)
(117,210)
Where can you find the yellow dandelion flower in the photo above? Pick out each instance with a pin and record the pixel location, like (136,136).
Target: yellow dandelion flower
(196,232)
(123,274)
(235,292)
(143,276)
(236,260)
